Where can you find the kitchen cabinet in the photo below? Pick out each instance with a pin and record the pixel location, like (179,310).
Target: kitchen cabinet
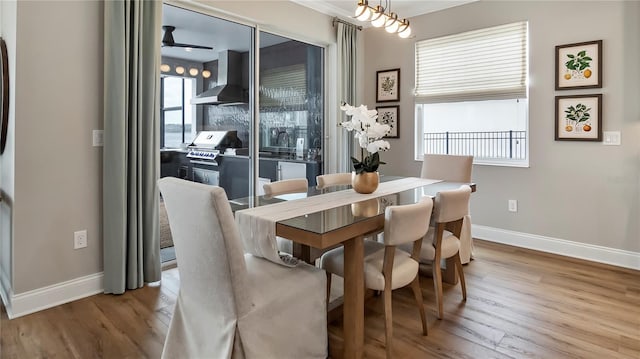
(206,176)
(234,173)
(291,170)
(174,163)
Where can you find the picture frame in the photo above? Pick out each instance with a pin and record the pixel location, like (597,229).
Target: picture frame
(579,65)
(388,85)
(578,118)
(390,115)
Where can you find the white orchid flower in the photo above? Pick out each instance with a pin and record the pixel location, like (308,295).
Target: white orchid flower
(348,109)
(378,130)
(348,125)
(378,145)
(368,132)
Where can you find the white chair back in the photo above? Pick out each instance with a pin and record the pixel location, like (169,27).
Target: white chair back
(213,275)
(407,223)
(452,205)
(286,186)
(457,169)
(333,179)
(447,167)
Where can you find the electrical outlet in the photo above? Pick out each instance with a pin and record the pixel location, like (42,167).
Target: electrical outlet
(98,138)
(80,239)
(513,205)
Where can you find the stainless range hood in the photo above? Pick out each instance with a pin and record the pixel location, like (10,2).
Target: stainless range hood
(229,90)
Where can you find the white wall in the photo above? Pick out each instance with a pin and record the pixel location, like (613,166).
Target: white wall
(58,174)
(583,192)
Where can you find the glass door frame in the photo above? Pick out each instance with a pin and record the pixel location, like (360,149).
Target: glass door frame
(254,76)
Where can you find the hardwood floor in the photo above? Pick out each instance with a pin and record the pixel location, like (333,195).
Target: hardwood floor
(521,304)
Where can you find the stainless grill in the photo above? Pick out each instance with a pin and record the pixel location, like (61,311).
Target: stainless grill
(207,145)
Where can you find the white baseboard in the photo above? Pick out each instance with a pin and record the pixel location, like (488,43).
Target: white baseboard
(54,295)
(613,256)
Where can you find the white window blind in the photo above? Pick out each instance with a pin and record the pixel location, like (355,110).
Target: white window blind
(483,64)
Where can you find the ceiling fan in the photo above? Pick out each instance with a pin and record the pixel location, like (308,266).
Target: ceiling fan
(167,40)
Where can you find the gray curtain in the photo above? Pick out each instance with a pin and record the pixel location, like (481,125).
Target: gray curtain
(131,144)
(347,64)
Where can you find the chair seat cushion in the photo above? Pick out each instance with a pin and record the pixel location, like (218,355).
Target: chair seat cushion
(404,267)
(450,245)
(283,296)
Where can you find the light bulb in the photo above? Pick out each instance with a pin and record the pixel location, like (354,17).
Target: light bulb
(193,71)
(378,18)
(206,74)
(405,33)
(391,25)
(363,12)
(404,30)
(179,70)
(165,68)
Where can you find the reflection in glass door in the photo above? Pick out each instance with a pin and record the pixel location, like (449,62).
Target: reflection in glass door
(291,109)
(216,93)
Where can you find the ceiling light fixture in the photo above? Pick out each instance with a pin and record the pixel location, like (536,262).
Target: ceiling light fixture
(363,11)
(206,74)
(179,70)
(165,68)
(193,71)
(379,18)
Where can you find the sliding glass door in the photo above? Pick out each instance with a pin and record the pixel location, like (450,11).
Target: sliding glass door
(273,102)
(291,103)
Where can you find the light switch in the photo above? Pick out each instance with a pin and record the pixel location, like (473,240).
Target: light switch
(98,138)
(611,138)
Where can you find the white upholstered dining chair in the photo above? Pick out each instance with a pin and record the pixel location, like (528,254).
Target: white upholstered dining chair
(276,188)
(386,267)
(232,304)
(333,179)
(450,208)
(455,169)
(295,185)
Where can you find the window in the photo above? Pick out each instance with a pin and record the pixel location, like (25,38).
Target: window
(176,116)
(471,95)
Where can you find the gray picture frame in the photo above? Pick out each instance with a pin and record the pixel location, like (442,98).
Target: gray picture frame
(388,85)
(390,115)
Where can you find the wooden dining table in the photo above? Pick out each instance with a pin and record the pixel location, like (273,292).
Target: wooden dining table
(345,225)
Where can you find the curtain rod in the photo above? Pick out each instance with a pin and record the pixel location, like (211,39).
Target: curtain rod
(336,19)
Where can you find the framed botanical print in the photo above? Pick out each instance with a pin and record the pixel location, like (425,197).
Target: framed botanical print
(579,65)
(388,85)
(389,115)
(579,118)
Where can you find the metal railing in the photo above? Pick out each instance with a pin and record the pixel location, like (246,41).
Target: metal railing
(491,145)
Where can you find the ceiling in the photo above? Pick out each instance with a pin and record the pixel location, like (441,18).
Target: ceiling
(404,9)
(200,29)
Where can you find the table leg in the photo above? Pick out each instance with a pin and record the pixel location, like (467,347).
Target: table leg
(353,310)
(302,252)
